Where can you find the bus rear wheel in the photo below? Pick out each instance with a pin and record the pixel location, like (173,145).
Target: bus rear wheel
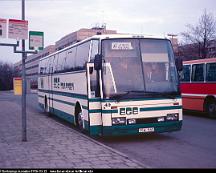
(211,109)
(46,108)
(45,105)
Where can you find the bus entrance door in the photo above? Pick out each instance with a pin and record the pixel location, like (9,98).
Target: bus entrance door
(94,98)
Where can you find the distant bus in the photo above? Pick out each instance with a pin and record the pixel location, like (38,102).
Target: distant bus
(113,85)
(198,85)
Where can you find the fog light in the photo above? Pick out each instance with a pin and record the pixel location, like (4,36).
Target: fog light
(131,121)
(160,119)
(172,117)
(120,120)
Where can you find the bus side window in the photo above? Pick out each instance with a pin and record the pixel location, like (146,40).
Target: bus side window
(50,71)
(94,49)
(55,63)
(197,72)
(82,55)
(211,72)
(45,66)
(61,62)
(186,73)
(70,60)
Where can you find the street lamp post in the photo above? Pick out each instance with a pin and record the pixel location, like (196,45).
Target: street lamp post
(172,35)
(24,131)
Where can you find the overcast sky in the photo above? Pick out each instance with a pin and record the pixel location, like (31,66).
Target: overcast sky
(57,18)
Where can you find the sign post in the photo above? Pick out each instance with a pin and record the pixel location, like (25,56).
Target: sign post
(24,55)
(18,29)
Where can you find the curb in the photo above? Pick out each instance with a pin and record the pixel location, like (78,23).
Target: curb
(107,147)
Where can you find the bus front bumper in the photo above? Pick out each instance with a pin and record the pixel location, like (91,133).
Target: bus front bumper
(142,128)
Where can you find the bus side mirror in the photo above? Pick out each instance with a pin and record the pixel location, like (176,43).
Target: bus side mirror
(98,62)
(179,64)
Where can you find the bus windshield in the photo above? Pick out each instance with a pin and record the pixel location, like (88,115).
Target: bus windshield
(138,65)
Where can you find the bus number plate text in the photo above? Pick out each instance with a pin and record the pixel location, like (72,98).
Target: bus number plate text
(144,130)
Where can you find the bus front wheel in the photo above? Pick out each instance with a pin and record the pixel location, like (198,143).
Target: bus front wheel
(211,108)
(79,119)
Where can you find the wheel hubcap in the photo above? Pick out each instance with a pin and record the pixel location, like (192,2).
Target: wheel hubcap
(212,108)
(80,120)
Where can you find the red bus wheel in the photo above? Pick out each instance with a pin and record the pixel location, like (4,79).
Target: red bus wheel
(211,109)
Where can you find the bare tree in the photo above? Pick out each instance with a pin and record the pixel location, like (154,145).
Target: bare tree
(201,34)
(7,73)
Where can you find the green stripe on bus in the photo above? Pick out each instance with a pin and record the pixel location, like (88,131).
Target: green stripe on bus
(40,96)
(65,102)
(160,108)
(95,130)
(110,111)
(103,111)
(94,100)
(73,95)
(64,115)
(69,103)
(95,111)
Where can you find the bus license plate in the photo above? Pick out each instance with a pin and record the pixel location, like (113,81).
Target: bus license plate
(144,130)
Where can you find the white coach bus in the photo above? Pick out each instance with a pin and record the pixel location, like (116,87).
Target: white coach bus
(113,85)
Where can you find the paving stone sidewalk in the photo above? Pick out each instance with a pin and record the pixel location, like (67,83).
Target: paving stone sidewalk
(51,144)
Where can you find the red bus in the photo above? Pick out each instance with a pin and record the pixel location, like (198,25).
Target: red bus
(198,86)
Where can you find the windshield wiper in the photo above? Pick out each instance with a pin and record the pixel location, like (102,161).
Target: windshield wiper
(118,97)
(171,95)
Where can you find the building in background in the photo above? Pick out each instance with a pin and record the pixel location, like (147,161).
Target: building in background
(81,35)
(193,51)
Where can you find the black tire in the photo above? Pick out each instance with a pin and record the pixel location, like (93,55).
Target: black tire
(46,110)
(211,108)
(79,120)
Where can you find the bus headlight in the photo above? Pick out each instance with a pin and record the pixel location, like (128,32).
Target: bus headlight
(160,119)
(117,121)
(172,117)
(132,121)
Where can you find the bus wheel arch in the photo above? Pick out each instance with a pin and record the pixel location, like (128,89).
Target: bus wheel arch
(210,106)
(79,120)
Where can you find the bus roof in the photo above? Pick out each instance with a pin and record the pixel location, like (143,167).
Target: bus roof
(110,36)
(107,36)
(206,60)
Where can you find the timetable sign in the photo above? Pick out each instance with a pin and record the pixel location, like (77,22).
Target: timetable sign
(18,29)
(36,40)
